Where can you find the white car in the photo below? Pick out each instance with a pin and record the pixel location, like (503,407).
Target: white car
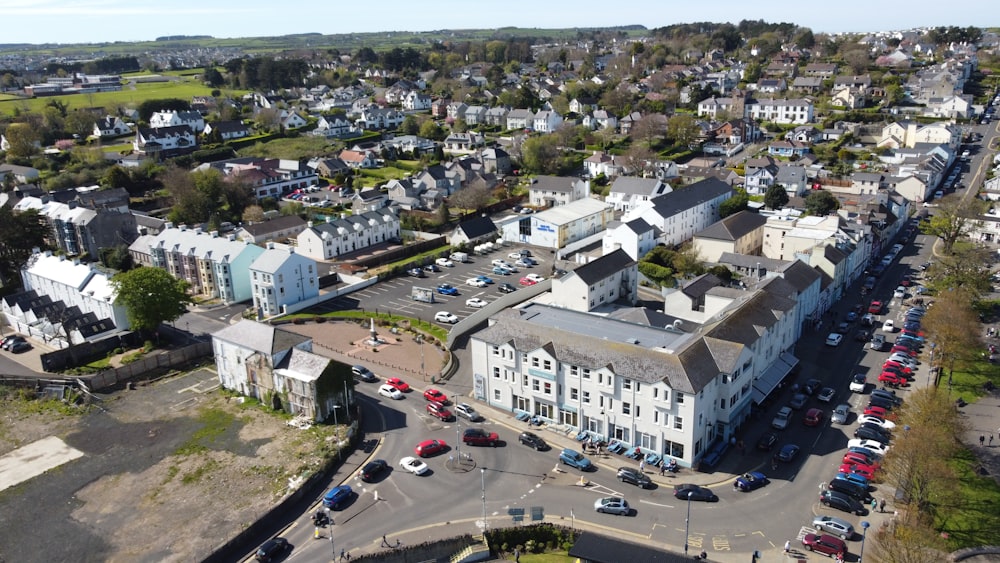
(834,339)
(501,263)
(859,383)
(475,303)
(900,293)
(535,278)
(841,414)
(390,391)
(780,421)
(444,263)
(826,394)
(413,465)
(903,359)
(889,326)
(523,263)
(445,317)
(887,424)
(872,445)
(475,282)
(514,255)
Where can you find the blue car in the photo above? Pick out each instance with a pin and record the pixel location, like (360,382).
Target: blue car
(575,459)
(854,478)
(337,496)
(750,481)
(788,452)
(445,289)
(484,279)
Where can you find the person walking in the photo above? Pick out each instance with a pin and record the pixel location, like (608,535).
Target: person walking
(991,439)
(642,466)
(874,504)
(663,469)
(788,546)
(881,505)
(982,439)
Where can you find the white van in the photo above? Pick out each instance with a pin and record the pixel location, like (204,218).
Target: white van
(459,257)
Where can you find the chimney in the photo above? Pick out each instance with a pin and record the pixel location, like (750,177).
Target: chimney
(269,245)
(168,225)
(197,230)
(291,250)
(232,237)
(215,234)
(309,225)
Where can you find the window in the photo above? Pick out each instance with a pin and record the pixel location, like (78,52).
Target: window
(547,365)
(680,398)
(678,423)
(535,385)
(547,388)
(524,380)
(586,397)
(574,371)
(496,394)
(626,408)
(586,373)
(535,362)
(496,350)
(496,372)
(627,384)
(574,393)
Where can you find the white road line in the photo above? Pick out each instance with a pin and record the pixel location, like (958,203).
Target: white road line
(656,504)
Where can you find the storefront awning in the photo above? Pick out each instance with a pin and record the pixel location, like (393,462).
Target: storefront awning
(772,376)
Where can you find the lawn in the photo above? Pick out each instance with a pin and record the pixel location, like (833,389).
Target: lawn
(972,518)
(969,377)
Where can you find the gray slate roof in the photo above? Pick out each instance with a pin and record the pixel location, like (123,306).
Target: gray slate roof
(668,205)
(260,337)
(733,227)
(604,267)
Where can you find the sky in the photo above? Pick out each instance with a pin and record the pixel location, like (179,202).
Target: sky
(91,21)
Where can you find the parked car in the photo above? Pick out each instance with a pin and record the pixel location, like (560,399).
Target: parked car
(19,346)
(873,446)
(826,394)
(634,477)
(467,412)
(871,433)
(575,459)
(859,383)
(840,501)
(878,342)
(501,271)
(798,401)
(446,289)
(780,421)
(767,441)
(750,481)
(475,282)
(527,281)
(438,411)
(430,447)
(811,386)
(435,396)
(834,339)
(506,288)
(889,326)
(612,505)
(853,489)
(814,417)
(10,340)
(445,317)
(887,395)
(834,526)
(694,492)
(444,263)
(827,545)
(432,268)
(480,437)
(337,497)
(533,440)
(415,272)
(877,420)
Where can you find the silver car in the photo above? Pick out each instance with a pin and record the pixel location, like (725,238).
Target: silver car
(465,410)
(835,526)
(841,414)
(612,505)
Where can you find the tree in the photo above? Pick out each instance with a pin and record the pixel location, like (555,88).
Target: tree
(431,130)
(906,540)
(649,128)
(775,197)
(821,203)
(640,159)
(953,325)
(954,218)
(116,177)
(962,269)
(540,154)
(683,129)
(666,266)
(23,140)
(151,296)
(117,258)
(738,202)
(253,214)
(475,196)
(80,123)
(19,234)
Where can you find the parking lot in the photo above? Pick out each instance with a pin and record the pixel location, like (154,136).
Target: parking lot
(395,294)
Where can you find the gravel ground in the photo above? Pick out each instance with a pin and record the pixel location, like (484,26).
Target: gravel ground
(133,497)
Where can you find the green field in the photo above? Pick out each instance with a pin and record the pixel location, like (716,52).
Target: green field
(131,95)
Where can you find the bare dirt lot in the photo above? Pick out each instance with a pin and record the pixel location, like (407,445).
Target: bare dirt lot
(170,471)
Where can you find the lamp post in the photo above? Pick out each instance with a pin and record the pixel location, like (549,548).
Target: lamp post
(687,523)
(864,535)
(482,476)
(335,407)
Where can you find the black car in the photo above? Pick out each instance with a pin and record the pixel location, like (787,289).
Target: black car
(415,272)
(635,477)
(373,469)
(812,386)
(364,374)
(432,268)
(532,440)
(880,401)
(869,433)
(10,340)
(876,428)
(271,549)
(19,346)
(840,501)
(767,441)
(862,336)
(694,492)
(887,396)
(506,288)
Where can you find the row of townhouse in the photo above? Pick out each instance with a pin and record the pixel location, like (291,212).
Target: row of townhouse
(336,237)
(267,177)
(663,382)
(798,110)
(85,224)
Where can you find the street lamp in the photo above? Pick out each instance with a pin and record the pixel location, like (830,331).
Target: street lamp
(335,407)
(864,534)
(482,476)
(687,523)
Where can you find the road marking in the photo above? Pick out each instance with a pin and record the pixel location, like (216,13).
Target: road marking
(656,504)
(803,531)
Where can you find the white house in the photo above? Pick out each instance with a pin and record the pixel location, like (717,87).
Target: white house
(628,191)
(605,280)
(333,126)
(636,238)
(111,126)
(781,111)
(173,118)
(546,121)
(520,119)
(280,277)
(549,191)
(165,141)
(740,233)
(416,101)
(680,214)
(326,241)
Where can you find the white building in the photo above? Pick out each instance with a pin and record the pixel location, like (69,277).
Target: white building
(628,192)
(549,191)
(173,118)
(598,283)
(635,237)
(280,277)
(561,225)
(680,214)
(326,241)
(781,111)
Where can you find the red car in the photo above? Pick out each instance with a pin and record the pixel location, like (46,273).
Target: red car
(856,458)
(890,378)
(866,471)
(893,365)
(397,384)
(438,411)
(875,308)
(813,417)
(430,447)
(904,350)
(527,281)
(435,396)
(876,411)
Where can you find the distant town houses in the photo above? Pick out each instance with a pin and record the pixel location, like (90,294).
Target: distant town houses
(350,233)
(267,177)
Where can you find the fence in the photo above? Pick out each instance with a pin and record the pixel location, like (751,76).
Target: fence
(147,367)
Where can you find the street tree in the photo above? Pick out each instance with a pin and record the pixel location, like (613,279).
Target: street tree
(907,539)
(821,203)
(954,218)
(962,268)
(775,197)
(253,214)
(683,129)
(151,296)
(952,324)
(540,154)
